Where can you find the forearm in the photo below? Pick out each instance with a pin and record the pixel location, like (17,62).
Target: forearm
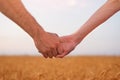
(100,16)
(15,10)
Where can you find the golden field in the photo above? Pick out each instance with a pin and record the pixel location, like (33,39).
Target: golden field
(69,68)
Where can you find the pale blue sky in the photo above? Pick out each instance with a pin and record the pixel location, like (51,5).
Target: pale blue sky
(62,17)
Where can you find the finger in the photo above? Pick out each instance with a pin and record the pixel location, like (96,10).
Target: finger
(55,52)
(50,54)
(60,49)
(45,55)
(62,55)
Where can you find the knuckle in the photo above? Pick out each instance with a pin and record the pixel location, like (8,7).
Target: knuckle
(45,56)
(50,56)
(46,51)
(57,43)
(53,46)
(43,51)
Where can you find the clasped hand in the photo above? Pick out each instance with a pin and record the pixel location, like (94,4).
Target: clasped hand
(51,45)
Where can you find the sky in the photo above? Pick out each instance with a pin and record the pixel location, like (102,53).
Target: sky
(63,17)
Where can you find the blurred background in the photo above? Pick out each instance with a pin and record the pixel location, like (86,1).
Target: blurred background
(62,17)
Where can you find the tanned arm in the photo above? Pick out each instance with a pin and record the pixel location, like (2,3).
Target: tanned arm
(46,43)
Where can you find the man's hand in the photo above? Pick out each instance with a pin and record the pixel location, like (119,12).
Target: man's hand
(66,46)
(47,44)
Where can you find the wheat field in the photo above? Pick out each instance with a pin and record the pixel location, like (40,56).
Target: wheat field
(69,68)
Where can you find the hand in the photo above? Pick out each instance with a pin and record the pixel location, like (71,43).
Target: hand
(67,44)
(47,44)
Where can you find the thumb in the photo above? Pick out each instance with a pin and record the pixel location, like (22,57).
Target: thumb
(62,55)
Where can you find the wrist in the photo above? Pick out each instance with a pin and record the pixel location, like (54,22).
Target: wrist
(73,38)
(77,38)
(37,33)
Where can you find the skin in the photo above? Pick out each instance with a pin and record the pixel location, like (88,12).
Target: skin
(45,42)
(101,15)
